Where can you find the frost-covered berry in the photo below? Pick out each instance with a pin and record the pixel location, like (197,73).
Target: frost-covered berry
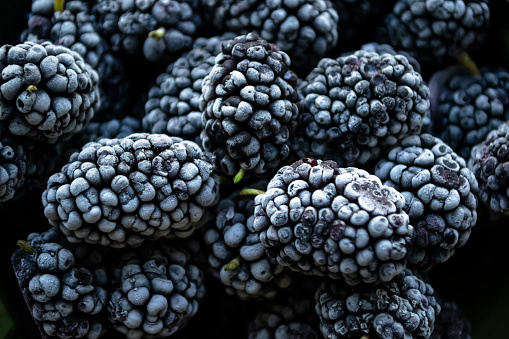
(466,107)
(120,192)
(155,291)
(157,29)
(65,286)
(404,307)
(434,30)
(320,219)
(249,107)
(237,256)
(358,104)
(440,196)
(75,27)
(489,161)
(173,104)
(47,92)
(305,29)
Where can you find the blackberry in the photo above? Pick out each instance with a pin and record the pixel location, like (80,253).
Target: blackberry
(357,104)
(466,107)
(173,104)
(288,316)
(155,292)
(112,129)
(236,254)
(120,192)
(440,196)
(63,285)
(320,219)
(305,29)
(404,307)
(47,92)
(433,31)
(156,28)
(249,106)
(451,322)
(488,162)
(74,27)
(13,166)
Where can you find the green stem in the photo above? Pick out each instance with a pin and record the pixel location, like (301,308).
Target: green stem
(233,264)
(32,89)
(158,33)
(25,246)
(466,61)
(238,177)
(58,5)
(251,191)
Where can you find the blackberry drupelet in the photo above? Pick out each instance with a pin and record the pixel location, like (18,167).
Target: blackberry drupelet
(489,163)
(440,196)
(320,219)
(158,29)
(249,106)
(305,29)
(236,255)
(466,107)
(357,104)
(74,27)
(155,292)
(13,166)
(119,192)
(402,308)
(435,30)
(47,92)
(173,104)
(385,48)
(291,315)
(63,285)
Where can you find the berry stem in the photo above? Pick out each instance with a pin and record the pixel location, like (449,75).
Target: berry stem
(238,177)
(157,34)
(233,264)
(466,61)
(25,246)
(32,89)
(251,191)
(58,5)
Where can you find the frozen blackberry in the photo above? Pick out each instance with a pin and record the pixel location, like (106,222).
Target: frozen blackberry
(440,196)
(451,322)
(236,254)
(466,107)
(120,192)
(173,104)
(360,103)
(74,27)
(47,92)
(290,316)
(156,28)
(13,166)
(249,106)
(489,163)
(433,31)
(63,285)
(305,29)
(155,292)
(402,308)
(320,219)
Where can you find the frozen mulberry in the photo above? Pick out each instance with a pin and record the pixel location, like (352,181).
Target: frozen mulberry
(359,103)
(440,196)
(173,104)
(155,292)
(320,219)
(237,256)
(488,163)
(249,107)
(63,285)
(466,107)
(47,92)
(402,308)
(433,31)
(123,191)
(156,28)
